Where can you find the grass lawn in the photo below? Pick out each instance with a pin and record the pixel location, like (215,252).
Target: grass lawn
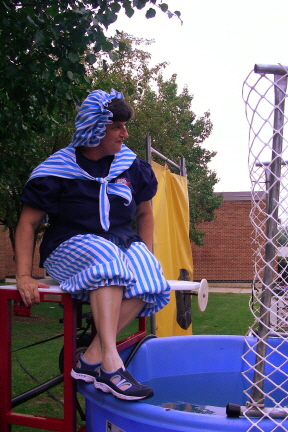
(37,364)
(225,314)
(34,365)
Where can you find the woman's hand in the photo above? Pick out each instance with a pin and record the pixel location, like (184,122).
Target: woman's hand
(28,289)
(24,248)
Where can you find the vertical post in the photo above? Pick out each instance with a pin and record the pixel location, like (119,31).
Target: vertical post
(70,319)
(182,164)
(148,150)
(280,85)
(149,160)
(7,416)
(5,360)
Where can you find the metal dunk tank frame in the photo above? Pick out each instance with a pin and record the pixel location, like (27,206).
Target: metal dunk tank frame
(266,359)
(7,416)
(54,294)
(68,423)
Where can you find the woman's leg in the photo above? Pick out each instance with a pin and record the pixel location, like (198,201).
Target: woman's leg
(111,377)
(105,304)
(129,310)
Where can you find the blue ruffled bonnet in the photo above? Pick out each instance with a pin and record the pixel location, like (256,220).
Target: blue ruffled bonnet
(92,118)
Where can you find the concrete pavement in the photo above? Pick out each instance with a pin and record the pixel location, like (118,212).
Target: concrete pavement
(230,287)
(230,290)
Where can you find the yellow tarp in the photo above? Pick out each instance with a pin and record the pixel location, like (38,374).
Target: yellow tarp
(171,241)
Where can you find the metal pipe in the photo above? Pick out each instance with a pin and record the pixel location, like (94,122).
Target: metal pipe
(257,393)
(30,394)
(165,158)
(39,343)
(234,410)
(271,69)
(182,169)
(182,164)
(149,160)
(148,149)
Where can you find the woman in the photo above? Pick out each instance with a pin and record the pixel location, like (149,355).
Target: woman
(91,190)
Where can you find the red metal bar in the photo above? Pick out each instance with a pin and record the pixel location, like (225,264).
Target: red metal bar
(142,321)
(70,326)
(68,423)
(7,417)
(130,340)
(135,337)
(5,359)
(39,422)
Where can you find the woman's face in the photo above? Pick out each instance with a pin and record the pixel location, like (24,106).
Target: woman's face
(111,143)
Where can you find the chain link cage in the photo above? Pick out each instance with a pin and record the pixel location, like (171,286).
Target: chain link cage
(266,358)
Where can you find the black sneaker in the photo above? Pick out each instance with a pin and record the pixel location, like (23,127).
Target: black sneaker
(122,385)
(85,371)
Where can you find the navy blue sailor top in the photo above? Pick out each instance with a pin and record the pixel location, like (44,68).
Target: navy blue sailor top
(73,204)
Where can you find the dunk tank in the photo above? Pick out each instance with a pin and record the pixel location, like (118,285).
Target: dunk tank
(216,383)
(225,383)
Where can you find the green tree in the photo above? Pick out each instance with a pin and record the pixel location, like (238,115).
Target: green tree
(17,160)
(166,116)
(131,72)
(160,112)
(175,130)
(47,49)
(43,50)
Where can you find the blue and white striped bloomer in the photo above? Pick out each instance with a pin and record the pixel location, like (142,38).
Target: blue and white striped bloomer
(86,262)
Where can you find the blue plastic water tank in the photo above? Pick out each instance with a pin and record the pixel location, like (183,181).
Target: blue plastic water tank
(211,365)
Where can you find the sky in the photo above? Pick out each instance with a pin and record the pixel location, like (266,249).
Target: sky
(212,53)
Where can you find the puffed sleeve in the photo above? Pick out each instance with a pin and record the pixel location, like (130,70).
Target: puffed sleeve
(42,193)
(147,183)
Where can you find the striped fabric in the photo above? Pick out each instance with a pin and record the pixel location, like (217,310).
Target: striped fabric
(92,118)
(63,164)
(86,262)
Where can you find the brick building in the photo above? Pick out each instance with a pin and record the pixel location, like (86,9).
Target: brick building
(7,266)
(225,257)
